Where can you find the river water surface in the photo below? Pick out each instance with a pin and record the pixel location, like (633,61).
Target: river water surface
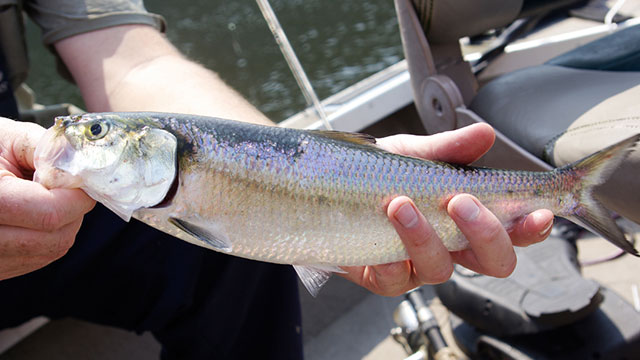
(338,43)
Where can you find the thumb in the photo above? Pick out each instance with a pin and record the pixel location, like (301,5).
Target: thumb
(19,140)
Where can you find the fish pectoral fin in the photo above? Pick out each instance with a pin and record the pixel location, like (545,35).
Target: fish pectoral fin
(313,277)
(214,239)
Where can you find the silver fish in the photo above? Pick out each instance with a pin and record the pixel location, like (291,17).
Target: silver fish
(313,199)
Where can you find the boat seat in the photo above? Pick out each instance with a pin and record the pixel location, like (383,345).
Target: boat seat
(574,105)
(545,115)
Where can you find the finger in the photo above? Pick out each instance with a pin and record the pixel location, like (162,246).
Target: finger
(367,276)
(27,204)
(23,250)
(17,242)
(430,258)
(491,249)
(22,265)
(392,279)
(461,146)
(534,228)
(20,140)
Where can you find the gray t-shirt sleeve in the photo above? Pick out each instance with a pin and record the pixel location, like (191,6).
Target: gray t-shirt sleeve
(60,19)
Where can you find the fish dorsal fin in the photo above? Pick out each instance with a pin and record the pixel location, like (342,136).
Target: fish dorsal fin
(213,238)
(355,138)
(313,277)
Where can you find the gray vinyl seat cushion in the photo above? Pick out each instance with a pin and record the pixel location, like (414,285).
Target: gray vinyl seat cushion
(592,87)
(536,106)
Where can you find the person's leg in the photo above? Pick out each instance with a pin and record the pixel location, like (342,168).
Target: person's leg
(198,303)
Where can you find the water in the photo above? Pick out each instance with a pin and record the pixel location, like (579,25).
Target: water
(338,43)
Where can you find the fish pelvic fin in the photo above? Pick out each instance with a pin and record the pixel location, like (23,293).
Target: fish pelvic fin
(595,170)
(313,277)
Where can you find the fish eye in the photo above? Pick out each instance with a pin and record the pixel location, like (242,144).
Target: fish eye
(97,131)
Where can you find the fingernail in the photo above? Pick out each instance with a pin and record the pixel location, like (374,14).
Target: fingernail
(547,228)
(466,208)
(406,215)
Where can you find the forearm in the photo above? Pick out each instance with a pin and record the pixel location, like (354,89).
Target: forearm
(134,68)
(182,87)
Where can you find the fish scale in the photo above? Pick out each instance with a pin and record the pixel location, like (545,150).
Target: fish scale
(313,199)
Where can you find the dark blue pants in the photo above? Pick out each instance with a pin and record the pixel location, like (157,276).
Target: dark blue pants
(8,106)
(198,303)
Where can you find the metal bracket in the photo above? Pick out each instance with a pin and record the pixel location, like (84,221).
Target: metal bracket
(440,101)
(436,96)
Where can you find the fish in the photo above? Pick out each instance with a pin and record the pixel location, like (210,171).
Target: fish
(313,199)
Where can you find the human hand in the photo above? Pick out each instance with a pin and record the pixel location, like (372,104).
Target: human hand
(491,246)
(37,226)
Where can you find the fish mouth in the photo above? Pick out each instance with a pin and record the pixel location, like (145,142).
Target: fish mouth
(52,150)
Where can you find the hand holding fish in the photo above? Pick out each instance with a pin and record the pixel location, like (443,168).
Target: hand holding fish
(491,250)
(37,226)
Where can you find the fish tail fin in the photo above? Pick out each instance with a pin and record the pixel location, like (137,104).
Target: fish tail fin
(595,170)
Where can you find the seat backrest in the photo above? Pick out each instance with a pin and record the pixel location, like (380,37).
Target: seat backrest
(447,21)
